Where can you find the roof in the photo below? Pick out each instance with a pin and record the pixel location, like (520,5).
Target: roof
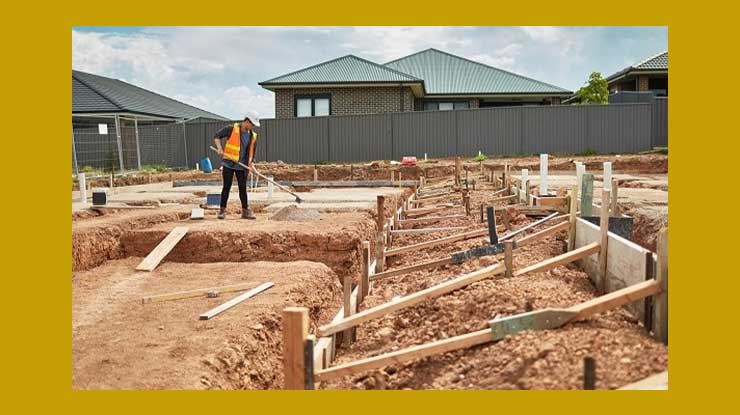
(445,73)
(658,62)
(345,69)
(98,94)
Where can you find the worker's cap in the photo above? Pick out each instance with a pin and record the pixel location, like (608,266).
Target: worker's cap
(254,120)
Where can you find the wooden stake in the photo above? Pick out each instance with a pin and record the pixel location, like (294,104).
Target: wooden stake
(604,231)
(393,175)
(308,362)
(315,173)
(572,219)
(660,304)
(347,334)
(509,258)
(505,218)
(482,213)
(589,373)
(466,202)
(615,206)
(351,172)
(527,195)
(295,334)
(457,171)
(365,281)
(380,237)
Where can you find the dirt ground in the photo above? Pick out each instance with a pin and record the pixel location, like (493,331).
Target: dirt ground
(120,343)
(549,359)
(380,170)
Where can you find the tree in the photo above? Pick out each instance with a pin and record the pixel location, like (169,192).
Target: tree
(596,91)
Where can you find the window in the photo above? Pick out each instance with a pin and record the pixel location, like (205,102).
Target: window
(445,105)
(312,106)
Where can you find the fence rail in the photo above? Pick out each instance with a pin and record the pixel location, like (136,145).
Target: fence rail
(614,128)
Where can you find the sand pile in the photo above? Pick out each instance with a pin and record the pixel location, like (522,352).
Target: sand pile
(294,213)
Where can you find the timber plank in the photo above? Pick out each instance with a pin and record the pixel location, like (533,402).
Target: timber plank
(160,252)
(234,301)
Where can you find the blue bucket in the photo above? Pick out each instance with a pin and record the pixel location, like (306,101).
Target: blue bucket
(205,164)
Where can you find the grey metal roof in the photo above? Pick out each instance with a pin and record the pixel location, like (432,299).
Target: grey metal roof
(98,94)
(657,62)
(444,73)
(345,69)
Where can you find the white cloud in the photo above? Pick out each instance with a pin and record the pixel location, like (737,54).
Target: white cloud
(244,101)
(544,34)
(504,58)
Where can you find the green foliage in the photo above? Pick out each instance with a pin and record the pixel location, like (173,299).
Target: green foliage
(480,156)
(596,90)
(588,152)
(324,163)
(153,168)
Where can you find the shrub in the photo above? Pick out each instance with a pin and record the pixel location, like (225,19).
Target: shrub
(588,152)
(480,156)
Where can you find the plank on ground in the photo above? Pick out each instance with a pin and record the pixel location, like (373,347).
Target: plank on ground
(234,301)
(160,252)
(195,293)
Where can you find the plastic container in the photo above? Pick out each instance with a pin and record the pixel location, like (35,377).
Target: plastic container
(205,164)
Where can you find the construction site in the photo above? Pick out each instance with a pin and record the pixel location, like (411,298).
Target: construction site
(540,272)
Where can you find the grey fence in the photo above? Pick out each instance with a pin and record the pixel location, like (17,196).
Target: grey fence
(619,128)
(660,122)
(614,128)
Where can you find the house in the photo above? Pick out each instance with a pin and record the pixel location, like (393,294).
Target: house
(98,97)
(426,80)
(119,126)
(649,75)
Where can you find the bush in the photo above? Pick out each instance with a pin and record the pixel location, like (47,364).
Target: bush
(480,157)
(154,168)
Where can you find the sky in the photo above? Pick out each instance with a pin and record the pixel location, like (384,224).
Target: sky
(218,68)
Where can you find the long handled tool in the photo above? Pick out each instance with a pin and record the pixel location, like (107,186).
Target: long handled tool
(279,186)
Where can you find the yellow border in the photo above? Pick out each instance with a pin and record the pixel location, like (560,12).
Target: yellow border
(37,338)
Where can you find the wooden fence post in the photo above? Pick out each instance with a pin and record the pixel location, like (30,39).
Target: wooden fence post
(295,333)
(604,230)
(660,305)
(573,208)
(466,201)
(509,257)
(380,237)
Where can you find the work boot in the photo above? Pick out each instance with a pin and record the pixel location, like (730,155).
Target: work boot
(222,213)
(247,214)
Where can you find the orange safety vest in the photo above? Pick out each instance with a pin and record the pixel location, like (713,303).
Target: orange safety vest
(233,144)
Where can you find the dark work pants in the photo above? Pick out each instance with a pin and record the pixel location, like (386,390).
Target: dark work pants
(241,181)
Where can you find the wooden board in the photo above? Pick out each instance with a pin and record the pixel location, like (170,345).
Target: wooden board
(559,260)
(658,381)
(452,238)
(426,230)
(626,262)
(160,252)
(195,293)
(411,268)
(405,355)
(411,299)
(234,301)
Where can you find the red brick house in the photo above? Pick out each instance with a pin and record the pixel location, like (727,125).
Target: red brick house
(426,80)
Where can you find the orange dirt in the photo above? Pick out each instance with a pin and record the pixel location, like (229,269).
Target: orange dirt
(120,343)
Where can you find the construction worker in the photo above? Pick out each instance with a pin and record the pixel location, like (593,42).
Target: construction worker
(239,147)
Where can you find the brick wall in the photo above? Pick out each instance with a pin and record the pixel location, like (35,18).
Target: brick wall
(643,82)
(349,100)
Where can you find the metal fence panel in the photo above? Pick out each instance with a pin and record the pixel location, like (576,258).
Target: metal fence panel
(660,122)
(490,130)
(297,140)
(95,150)
(360,138)
(162,144)
(424,132)
(555,129)
(619,128)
